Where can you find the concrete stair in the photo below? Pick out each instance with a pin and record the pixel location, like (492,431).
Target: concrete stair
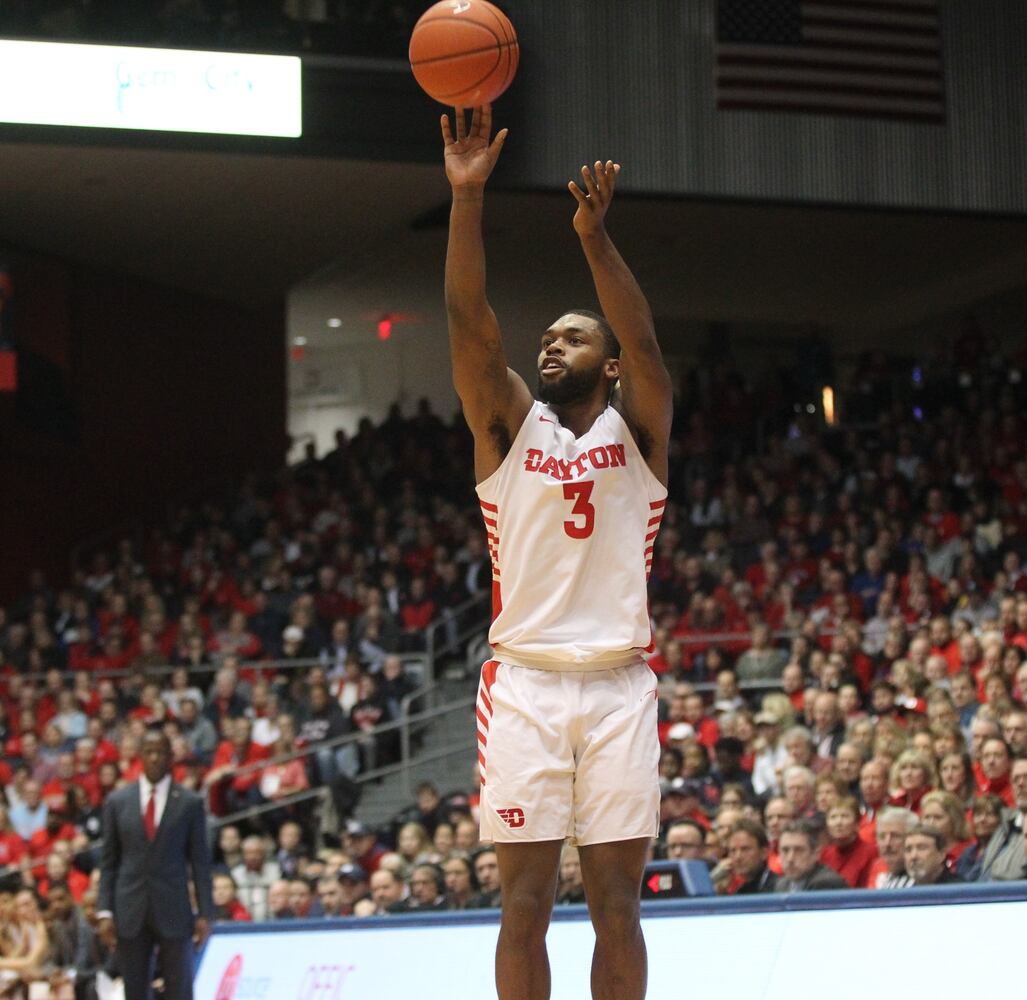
(380,802)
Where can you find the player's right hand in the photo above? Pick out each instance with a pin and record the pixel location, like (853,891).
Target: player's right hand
(470,156)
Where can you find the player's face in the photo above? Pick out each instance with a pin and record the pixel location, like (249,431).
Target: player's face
(572,361)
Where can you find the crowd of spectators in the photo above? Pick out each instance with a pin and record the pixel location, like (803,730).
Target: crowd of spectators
(840,633)
(339,27)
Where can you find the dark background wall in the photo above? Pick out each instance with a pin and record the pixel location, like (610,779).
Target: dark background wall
(636,82)
(132,395)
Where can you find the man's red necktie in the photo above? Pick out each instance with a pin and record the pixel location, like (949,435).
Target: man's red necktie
(150,816)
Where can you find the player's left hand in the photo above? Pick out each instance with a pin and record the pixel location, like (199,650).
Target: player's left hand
(598,182)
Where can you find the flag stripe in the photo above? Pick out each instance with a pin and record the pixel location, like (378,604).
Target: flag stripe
(832,82)
(815,106)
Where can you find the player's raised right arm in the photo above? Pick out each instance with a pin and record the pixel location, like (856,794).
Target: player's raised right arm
(480,373)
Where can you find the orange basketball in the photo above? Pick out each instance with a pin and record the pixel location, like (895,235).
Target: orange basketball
(464,52)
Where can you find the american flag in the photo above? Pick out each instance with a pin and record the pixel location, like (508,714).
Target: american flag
(873,58)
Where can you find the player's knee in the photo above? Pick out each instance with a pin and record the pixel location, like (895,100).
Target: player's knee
(526,914)
(615,915)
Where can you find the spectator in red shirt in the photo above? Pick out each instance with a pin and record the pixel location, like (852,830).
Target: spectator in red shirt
(55,791)
(12,847)
(873,793)
(130,764)
(416,612)
(229,790)
(848,853)
(793,684)
(235,639)
(777,814)
(707,731)
(59,870)
(996,762)
(226,905)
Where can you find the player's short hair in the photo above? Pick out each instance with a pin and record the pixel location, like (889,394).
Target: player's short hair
(611,345)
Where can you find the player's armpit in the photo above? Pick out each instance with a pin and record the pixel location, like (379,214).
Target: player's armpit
(645,398)
(495,404)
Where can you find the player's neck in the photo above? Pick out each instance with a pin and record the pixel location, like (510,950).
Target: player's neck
(578,417)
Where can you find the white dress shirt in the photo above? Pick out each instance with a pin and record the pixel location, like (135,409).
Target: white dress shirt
(163,789)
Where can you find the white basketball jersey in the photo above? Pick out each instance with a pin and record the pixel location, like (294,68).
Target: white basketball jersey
(571,525)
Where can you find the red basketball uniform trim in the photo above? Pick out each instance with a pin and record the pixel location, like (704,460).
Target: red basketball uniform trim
(483,710)
(490,515)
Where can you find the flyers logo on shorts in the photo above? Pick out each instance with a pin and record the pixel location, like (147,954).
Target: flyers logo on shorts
(513,818)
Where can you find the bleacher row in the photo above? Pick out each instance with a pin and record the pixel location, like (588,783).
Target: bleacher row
(840,626)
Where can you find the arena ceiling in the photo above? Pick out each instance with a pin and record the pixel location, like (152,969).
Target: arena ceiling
(357,234)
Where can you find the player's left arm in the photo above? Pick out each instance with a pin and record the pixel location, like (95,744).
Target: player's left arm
(645,397)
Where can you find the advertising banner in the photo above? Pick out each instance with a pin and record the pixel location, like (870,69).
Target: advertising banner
(698,950)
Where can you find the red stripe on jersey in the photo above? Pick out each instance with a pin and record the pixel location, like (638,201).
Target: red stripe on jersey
(497,597)
(654,520)
(485,701)
(657,504)
(491,521)
(482,717)
(485,505)
(651,535)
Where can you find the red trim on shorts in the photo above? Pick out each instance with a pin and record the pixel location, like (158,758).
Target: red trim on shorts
(483,710)
(657,504)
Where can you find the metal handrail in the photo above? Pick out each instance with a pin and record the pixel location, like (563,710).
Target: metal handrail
(444,621)
(404,724)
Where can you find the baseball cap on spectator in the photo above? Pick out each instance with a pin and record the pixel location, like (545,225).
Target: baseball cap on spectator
(293,633)
(357,829)
(352,872)
(766,718)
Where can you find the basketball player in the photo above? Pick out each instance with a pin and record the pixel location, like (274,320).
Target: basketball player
(572,487)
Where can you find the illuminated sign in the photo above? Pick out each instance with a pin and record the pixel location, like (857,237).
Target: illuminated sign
(166,90)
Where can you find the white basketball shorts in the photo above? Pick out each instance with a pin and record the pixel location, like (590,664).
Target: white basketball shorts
(568,754)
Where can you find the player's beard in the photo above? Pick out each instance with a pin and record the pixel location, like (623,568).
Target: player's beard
(570,387)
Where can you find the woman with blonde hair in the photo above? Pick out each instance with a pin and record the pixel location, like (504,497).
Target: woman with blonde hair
(945,812)
(912,777)
(413,844)
(24,943)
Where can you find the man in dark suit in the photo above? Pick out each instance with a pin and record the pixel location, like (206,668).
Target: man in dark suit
(154,832)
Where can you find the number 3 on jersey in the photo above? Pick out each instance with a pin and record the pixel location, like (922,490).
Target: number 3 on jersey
(581,494)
